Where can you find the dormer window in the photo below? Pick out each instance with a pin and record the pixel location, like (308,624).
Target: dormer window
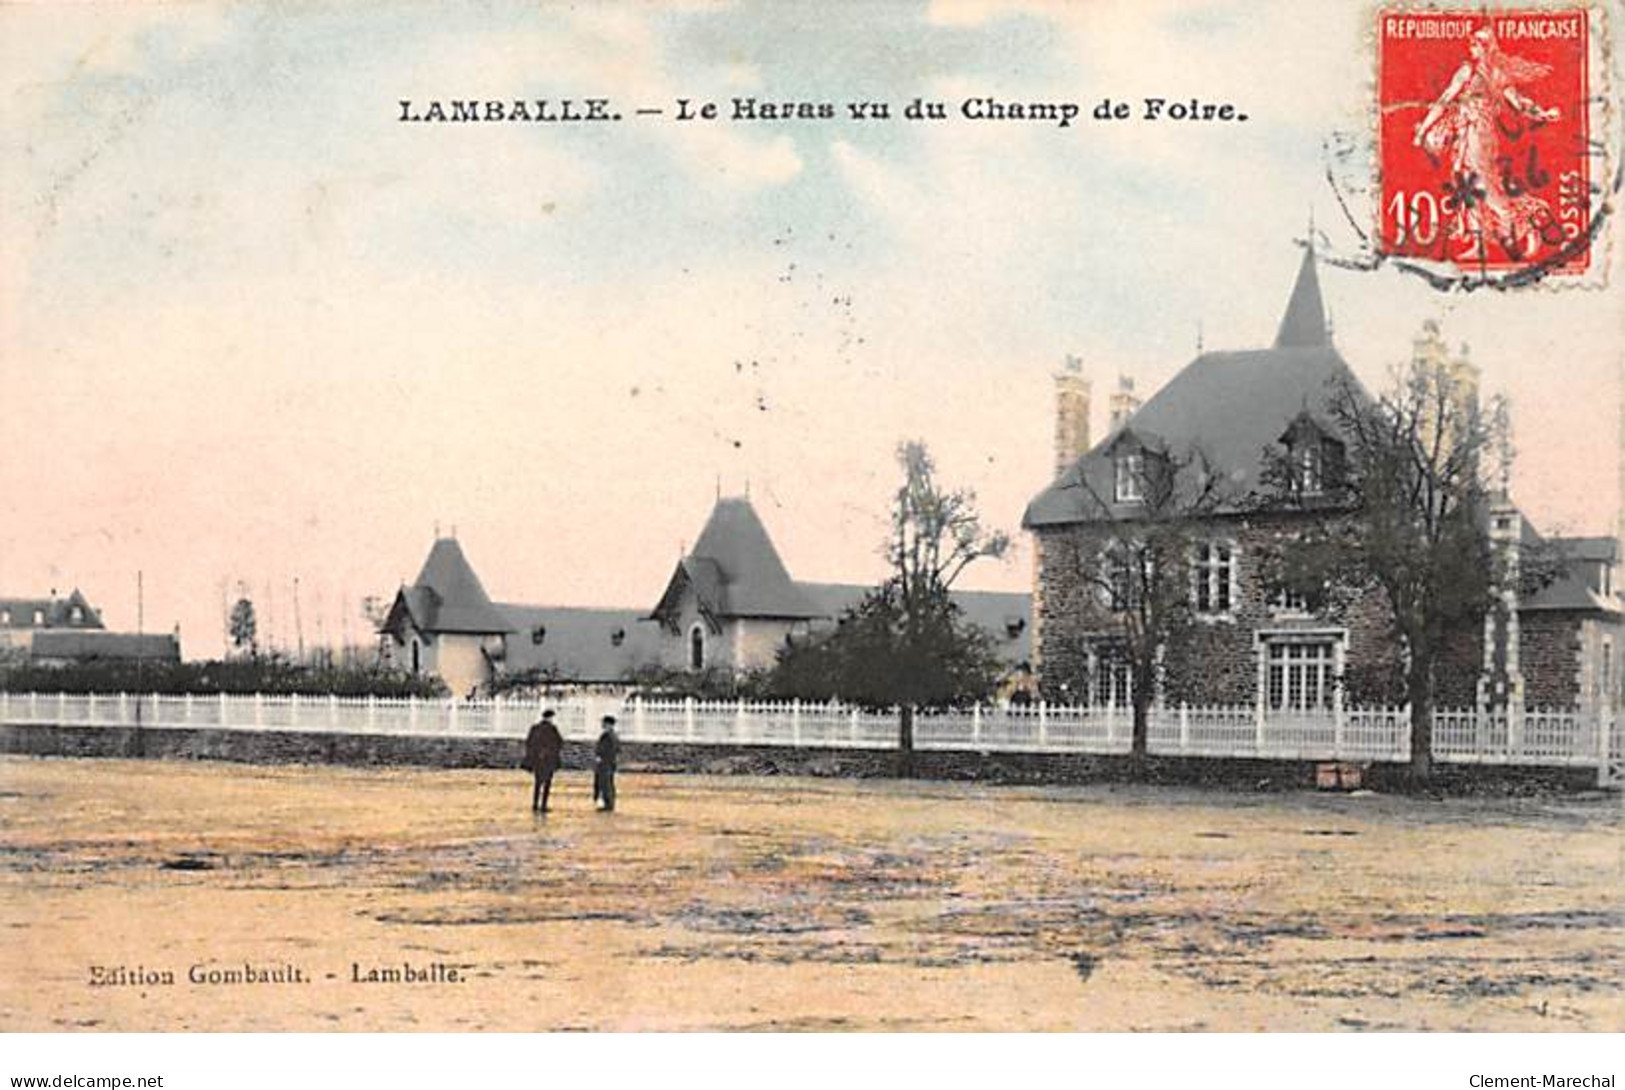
(39,617)
(76,615)
(1313,457)
(5,616)
(617,637)
(1130,477)
(538,634)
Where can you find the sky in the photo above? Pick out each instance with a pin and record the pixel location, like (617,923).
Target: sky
(255,329)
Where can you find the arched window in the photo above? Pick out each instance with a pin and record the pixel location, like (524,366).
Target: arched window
(696,648)
(416,662)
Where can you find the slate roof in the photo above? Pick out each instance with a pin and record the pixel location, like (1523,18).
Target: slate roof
(89,645)
(1578,584)
(579,644)
(447,596)
(1304,323)
(58,612)
(735,571)
(995,612)
(1229,406)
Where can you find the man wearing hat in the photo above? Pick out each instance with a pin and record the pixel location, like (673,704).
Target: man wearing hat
(608,751)
(544,746)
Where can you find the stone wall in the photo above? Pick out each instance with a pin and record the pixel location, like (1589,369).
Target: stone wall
(271,747)
(1549,656)
(1216,659)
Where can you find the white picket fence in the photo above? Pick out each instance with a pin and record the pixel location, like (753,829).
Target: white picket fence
(1536,737)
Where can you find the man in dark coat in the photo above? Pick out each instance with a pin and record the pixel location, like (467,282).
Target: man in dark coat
(544,747)
(608,752)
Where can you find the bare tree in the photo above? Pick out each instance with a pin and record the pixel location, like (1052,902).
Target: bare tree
(1136,562)
(936,532)
(905,643)
(1402,506)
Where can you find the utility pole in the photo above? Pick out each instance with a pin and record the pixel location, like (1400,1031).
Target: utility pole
(225,624)
(298,624)
(140,631)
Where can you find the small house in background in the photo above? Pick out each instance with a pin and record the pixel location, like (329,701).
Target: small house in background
(729,607)
(23,618)
(445,625)
(76,647)
(67,631)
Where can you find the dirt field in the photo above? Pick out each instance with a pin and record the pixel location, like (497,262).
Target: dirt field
(791,904)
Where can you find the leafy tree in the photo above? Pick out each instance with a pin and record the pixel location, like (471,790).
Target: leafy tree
(905,643)
(1135,566)
(878,657)
(243,627)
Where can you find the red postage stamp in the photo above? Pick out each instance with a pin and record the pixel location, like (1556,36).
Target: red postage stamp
(1484,149)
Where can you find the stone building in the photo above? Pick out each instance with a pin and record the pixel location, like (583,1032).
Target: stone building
(1251,641)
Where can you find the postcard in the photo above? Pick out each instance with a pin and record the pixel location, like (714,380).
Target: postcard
(964,515)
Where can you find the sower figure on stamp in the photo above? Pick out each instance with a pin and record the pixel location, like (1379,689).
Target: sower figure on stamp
(544,746)
(1466,123)
(608,752)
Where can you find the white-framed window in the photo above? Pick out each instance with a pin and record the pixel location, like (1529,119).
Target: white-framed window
(1215,576)
(1309,467)
(39,617)
(696,647)
(1130,477)
(1291,602)
(5,616)
(1299,675)
(1111,680)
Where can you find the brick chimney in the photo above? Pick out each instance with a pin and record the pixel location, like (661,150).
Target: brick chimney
(1124,403)
(1072,395)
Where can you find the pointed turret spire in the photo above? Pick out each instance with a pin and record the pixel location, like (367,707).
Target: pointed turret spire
(1304,323)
